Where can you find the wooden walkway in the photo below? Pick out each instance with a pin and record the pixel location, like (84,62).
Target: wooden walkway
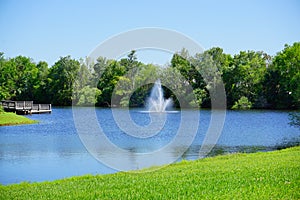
(25,107)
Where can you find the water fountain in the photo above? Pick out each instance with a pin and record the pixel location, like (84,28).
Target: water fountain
(156,102)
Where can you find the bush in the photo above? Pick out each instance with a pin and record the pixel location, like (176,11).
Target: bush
(88,96)
(242,104)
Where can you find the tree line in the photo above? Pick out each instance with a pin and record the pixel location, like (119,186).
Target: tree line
(252,79)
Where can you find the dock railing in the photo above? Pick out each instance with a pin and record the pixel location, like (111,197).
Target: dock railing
(25,107)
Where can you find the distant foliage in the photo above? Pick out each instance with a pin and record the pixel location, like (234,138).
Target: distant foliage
(251,79)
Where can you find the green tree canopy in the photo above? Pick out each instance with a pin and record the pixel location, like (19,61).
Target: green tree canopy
(62,77)
(282,80)
(251,79)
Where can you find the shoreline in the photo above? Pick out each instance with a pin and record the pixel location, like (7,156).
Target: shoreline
(12,119)
(263,175)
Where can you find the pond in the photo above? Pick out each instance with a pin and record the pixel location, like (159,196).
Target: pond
(53,149)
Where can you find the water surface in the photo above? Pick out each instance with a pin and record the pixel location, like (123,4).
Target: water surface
(53,150)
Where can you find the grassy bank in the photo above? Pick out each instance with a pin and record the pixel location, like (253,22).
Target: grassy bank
(271,175)
(7,119)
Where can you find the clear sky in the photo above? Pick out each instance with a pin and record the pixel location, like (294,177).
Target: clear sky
(48,29)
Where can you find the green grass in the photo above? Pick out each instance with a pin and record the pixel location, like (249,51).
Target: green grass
(271,175)
(7,119)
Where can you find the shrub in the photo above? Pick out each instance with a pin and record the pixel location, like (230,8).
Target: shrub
(242,104)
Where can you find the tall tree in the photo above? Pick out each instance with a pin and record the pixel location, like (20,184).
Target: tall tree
(62,79)
(128,80)
(41,92)
(18,76)
(187,66)
(4,89)
(283,77)
(245,77)
(85,90)
(109,78)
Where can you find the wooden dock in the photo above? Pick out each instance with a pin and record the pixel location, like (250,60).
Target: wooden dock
(25,107)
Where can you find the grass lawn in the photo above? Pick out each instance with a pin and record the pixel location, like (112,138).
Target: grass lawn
(14,119)
(271,175)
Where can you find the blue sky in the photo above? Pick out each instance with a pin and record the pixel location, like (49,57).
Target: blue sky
(48,29)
